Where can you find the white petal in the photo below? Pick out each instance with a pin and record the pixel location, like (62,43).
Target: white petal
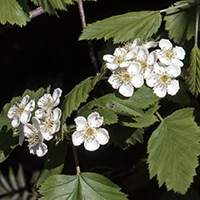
(39,113)
(12,112)
(102,136)
(152,79)
(112,66)
(164,60)
(142,53)
(173,71)
(179,52)
(160,90)
(25,117)
(152,58)
(36,123)
(177,62)
(159,69)
(57,114)
(126,89)
(30,106)
(124,64)
(150,44)
(15,122)
(109,58)
(173,87)
(148,71)
(115,81)
(46,99)
(40,149)
(91,145)
(134,67)
(137,81)
(56,96)
(119,52)
(47,136)
(21,138)
(165,44)
(130,54)
(77,138)
(81,123)
(24,101)
(95,120)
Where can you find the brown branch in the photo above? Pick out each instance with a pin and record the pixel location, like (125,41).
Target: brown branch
(89,43)
(36,12)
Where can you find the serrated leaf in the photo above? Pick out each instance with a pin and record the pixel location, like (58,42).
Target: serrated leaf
(21,177)
(174,149)
(136,136)
(83,186)
(193,72)
(180,22)
(11,11)
(124,27)
(12,179)
(54,161)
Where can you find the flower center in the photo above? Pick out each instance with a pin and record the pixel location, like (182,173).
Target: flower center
(164,78)
(90,131)
(119,59)
(126,77)
(19,110)
(143,65)
(169,54)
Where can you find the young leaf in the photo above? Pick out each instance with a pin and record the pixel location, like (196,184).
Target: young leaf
(180,22)
(83,186)
(193,72)
(124,27)
(174,149)
(11,11)
(54,161)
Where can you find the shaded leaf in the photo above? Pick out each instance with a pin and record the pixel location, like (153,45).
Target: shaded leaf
(83,186)
(136,136)
(180,22)
(124,27)
(54,161)
(193,72)
(173,151)
(12,12)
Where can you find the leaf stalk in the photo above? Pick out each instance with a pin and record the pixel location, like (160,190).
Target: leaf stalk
(159,116)
(78,171)
(197,26)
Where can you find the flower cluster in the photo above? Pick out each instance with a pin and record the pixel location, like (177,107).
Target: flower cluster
(133,63)
(44,124)
(89,133)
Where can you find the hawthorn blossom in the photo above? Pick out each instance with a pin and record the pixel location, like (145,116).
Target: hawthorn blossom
(120,58)
(146,60)
(51,124)
(47,102)
(35,138)
(89,133)
(170,55)
(162,80)
(125,79)
(21,113)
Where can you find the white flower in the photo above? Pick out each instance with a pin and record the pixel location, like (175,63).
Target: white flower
(47,102)
(169,55)
(162,80)
(50,124)
(146,60)
(35,138)
(20,130)
(21,113)
(120,58)
(125,79)
(89,133)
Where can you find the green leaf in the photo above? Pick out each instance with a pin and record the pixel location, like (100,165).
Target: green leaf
(174,149)
(54,161)
(193,72)
(124,27)
(180,22)
(11,11)
(83,186)
(136,136)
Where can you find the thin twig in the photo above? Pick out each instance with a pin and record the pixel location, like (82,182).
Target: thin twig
(89,43)
(36,12)
(179,6)
(159,116)
(197,26)
(76,160)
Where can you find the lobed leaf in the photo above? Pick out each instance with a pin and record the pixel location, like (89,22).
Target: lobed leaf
(193,72)
(88,186)
(180,22)
(173,151)
(124,27)
(54,162)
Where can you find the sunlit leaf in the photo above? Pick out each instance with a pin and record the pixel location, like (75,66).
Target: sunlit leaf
(193,72)
(83,186)
(173,151)
(54,161)
(11,11)
(124,27)
(180,22)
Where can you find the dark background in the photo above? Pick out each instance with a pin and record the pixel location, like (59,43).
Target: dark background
(47,52)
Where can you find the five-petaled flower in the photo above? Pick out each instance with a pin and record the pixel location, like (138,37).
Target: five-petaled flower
(35,138)
(89,133)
